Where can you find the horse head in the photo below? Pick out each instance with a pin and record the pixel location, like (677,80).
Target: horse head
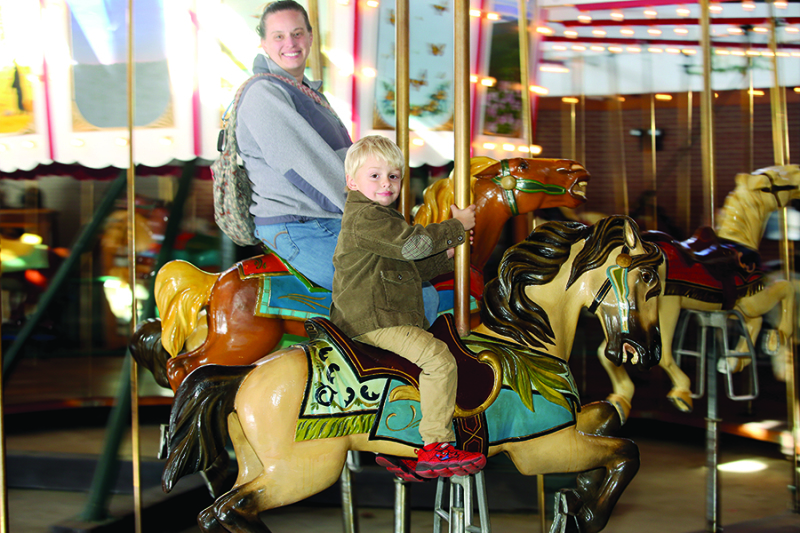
(521,181)
(627,301)
(782,182)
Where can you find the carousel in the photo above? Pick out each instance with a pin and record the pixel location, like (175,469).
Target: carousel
(624,319)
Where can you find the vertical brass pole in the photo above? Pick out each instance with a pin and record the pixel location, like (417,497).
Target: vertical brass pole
(316,44)
(401,25)
(706,115)
(135,449)
(780,143)
(3,480)
(653,166)
(524,71)
(525,222)
(461,159)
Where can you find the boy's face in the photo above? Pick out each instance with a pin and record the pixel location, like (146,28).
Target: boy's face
(376,180)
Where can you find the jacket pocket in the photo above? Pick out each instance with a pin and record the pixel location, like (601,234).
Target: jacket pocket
(401,290)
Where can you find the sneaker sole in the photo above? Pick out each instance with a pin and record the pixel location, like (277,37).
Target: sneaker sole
(398,469)
(433,470)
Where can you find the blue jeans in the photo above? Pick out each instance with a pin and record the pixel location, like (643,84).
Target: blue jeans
(308,246)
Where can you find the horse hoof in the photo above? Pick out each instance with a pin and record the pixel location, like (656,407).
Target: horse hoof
(682,400)
(622,405)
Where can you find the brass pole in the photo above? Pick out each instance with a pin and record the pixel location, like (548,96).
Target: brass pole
(131,175)
(3,480)
(616,139)
(401,99)
(706,115)
(461,158)
(780,142)
(525,222)
(524,71)
(653,178)
(316,43)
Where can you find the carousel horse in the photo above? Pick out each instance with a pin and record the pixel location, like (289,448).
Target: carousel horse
(294,414)
(240,328)
(713,271)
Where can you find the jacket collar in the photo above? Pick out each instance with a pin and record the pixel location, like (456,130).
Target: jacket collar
(263,64)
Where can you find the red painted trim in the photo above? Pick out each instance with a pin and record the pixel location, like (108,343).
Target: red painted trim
(474,91)
(681,21)
(660,42)
(48,110)
(354,80)
(629,4)
(196,118)
(625,4)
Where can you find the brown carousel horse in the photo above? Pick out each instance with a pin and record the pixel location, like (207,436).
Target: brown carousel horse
(291,427)
(722,270)
(187,296)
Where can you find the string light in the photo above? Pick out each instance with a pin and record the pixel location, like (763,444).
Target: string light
(664,97)
(570,100)
(539,90)
(747,5)
(559,47)
(492,16)
(615,49)
(650,13)
(584,18)
(488,82)
(654,50)
(489,146)
(597,48)
(626,31)
(617,15)
(372,3)
(715,8)
(368,72)
(474,12)
(633,49)
(599,33)
(683,11)
(544,30)
(578,47)
(571,34)
(681,31)
(508,147)
(654,31)
(417,142)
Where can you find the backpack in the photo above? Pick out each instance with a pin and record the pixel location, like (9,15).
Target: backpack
(232,190)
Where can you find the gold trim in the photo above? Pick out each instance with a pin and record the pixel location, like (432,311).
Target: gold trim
(493,360)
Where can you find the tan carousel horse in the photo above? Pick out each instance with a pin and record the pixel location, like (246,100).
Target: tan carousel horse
(722,270)
(291,427)
(187,297)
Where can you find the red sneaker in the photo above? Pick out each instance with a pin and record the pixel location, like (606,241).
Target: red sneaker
(441,459)
(402,468)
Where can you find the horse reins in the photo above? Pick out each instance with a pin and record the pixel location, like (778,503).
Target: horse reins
(510,183)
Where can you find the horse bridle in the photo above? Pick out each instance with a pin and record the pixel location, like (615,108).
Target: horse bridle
(510,183)
(616,278)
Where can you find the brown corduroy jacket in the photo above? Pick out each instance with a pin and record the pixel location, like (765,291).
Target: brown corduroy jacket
(381,262)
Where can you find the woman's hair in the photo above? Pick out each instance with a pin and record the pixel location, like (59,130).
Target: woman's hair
(280,5)
(377,146)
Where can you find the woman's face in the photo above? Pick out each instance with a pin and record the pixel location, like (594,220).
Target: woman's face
(287,41)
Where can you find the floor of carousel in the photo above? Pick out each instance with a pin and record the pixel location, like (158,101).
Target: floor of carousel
(667,495)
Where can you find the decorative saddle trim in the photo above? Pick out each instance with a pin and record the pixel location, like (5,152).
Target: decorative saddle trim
(480,377)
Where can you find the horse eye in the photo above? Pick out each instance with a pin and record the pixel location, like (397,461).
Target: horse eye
(523,165)
(648,276)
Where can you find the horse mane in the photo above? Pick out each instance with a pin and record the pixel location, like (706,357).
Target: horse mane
(437,199)
(744,213)
(537,260)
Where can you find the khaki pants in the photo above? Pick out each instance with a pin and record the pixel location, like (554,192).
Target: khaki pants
(437,381)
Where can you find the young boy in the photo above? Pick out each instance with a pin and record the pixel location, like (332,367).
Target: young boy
(380,263)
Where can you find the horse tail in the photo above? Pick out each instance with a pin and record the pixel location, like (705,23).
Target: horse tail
(198,428)
(147,350)
(181,290)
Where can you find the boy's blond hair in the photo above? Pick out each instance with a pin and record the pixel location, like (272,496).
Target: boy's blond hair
(376,146)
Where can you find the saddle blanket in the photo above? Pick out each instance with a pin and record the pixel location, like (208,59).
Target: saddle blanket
(338,401)
(284,293)
(694,280)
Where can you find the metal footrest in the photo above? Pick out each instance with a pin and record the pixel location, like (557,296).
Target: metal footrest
(459,514)
(721,324)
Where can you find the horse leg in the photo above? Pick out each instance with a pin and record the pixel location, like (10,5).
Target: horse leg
(607,466)
(781,291)
(680,395)
(599,418)
(621,385)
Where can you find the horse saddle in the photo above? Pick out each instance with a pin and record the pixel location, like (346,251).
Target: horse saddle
(723,259)
(480,376)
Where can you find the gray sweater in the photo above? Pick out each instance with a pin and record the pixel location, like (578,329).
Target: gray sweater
(293,150)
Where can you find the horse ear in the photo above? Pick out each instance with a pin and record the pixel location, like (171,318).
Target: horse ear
(480,164)
(631,233)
